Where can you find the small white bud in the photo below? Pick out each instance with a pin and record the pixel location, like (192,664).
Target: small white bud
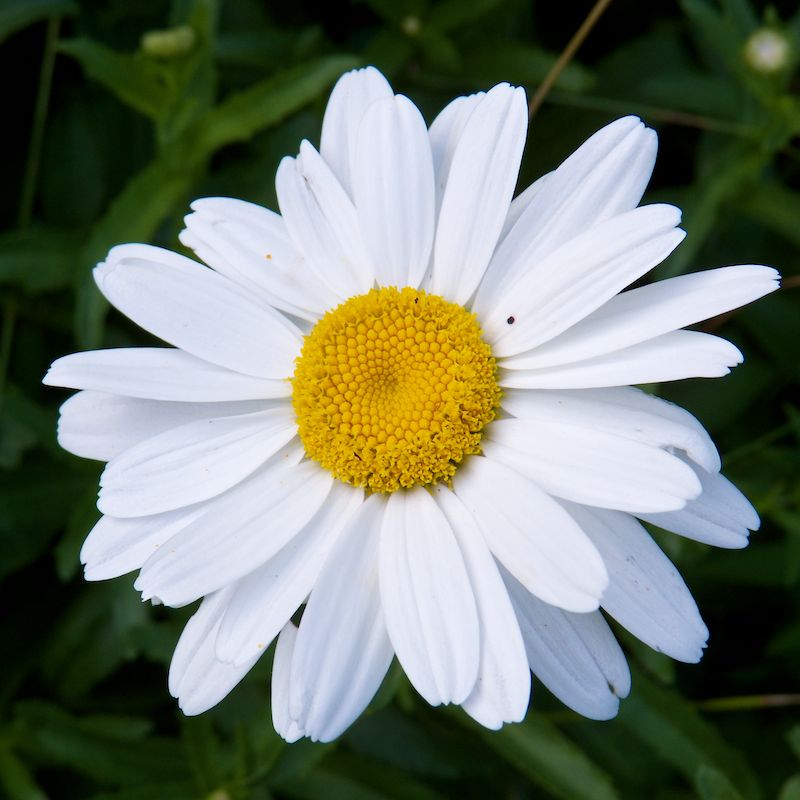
(767,50)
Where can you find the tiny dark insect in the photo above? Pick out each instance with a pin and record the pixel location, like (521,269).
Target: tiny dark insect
(510,320)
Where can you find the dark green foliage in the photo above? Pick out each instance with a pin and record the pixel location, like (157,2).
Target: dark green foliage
(153,103)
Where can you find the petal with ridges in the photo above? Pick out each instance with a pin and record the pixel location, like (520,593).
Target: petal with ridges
(323,224)
(503,686)
(592,466)
(393,187)
(352,95)
(532,535)
(100,426)
(115,546)
(198,310)
(482,175)
(641,314)
(604,177)
(574,655)
(196,678)
(427,599)
(192,462)
(624,411)
(267,598)
(342,651)
(285,726)
(722,516)
(670,357)
(645,594)
(251,245)
(577,278)
(159,373)
(239,531)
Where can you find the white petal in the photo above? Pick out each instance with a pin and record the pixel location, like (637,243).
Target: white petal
(196,678)
(604,177)
(159,373)
(265,599)
(574,655)
(115,547)
(480,183)
(198,310)
(343,650)
(427,599)
(503,687)
(645,594)
(557,291)
(239,531)
(100,426)
(641,314)
(322,223)
(251,246)
(670,357)
(521,202)
(532,535)
(722,516)
(353,94)
(393,189)
(623,411)
(285,726)
(445,134)
(192,462)
(592,466)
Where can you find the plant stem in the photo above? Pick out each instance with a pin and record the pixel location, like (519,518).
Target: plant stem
(567,55)
(39,117)
(750,702)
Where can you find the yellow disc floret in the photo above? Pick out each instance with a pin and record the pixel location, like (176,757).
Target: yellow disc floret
(393,388)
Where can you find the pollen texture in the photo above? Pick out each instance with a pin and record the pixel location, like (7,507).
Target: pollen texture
(393,388)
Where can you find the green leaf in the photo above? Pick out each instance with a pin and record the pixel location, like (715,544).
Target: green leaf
(174,790)
(134,79)
(16,779)
(18,14)
(114,750)
(711,784)
(27,524)
(39,259)
(541,752)
(453,13)
(680,735)
(522,64)
(793,738)
(735,169)
(83,517)
(149,198)
(96,634)
(776,207)
(791,789)
(245,113)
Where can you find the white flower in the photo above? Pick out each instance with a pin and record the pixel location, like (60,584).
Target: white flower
(473,552)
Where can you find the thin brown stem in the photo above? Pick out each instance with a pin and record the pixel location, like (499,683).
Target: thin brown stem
(750,702)
(567,55)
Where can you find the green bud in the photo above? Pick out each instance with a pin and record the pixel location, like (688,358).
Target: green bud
(169,43)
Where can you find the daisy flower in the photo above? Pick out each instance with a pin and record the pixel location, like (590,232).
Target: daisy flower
(403,405)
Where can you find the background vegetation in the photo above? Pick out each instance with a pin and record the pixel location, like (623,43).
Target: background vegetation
(116,114)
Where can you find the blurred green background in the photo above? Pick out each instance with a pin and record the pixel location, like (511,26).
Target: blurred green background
(116,114)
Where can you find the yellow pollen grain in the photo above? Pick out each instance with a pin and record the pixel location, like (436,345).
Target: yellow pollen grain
(393,388)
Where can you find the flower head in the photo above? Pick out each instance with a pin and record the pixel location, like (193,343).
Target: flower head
(402,405)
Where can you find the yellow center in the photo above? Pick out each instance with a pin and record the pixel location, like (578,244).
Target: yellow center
(393,388)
